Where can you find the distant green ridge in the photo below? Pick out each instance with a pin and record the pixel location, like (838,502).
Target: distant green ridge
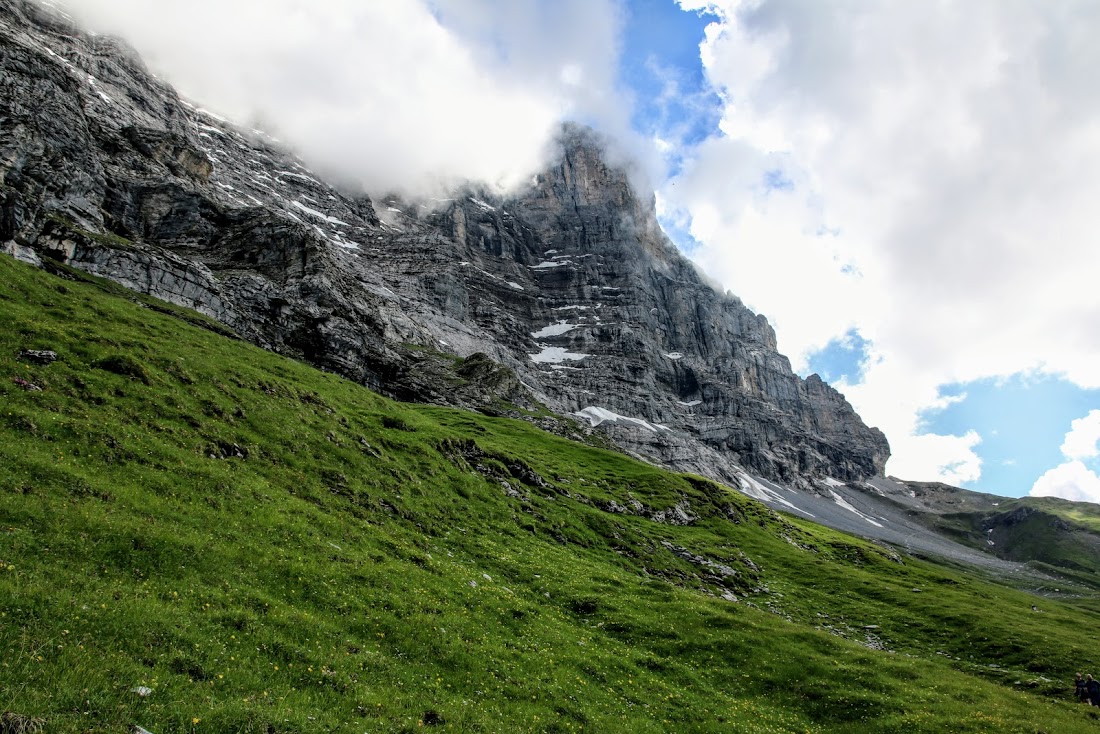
(1046,532)
(262,547)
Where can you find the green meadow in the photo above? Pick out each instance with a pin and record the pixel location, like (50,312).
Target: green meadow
(197,535)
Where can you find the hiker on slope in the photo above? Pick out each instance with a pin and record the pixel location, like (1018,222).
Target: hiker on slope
(1093,687)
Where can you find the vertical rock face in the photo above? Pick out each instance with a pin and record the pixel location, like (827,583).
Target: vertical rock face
(570,283)
(614,324)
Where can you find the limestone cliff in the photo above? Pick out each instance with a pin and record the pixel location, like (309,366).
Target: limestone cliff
(569,286)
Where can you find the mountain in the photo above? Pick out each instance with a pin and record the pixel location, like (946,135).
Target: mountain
(562,304)
(570,283)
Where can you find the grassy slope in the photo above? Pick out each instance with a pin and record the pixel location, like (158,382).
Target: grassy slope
(355,572)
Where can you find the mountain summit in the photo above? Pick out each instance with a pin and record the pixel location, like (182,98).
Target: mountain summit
(565,295)
(586,298)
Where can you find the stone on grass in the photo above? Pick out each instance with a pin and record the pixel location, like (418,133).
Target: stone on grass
(38,356)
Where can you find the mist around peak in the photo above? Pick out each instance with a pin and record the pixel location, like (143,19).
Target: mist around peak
(415,98)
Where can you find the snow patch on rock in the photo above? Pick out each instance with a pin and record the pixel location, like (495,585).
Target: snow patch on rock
(553,330)
(758,491)
(556,355)
(319,215)
(845,504)
(595,416)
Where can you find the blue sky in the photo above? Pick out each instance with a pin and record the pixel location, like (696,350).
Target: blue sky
(672,98)
(1022,421)
(841,359)
(660,65)
(906,190)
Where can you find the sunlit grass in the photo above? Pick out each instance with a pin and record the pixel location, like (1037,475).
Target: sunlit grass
(268,548)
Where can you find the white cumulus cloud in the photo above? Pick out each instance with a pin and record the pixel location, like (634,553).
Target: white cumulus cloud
(1072,481)
(1083,438)
(924,173)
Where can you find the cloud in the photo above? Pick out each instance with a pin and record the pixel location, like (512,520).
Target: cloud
(952,457)
(917,454)
(1072,481)
(1084,436)
(944,159)
(404,95)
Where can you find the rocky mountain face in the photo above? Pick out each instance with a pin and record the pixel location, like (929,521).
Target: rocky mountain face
(565,295)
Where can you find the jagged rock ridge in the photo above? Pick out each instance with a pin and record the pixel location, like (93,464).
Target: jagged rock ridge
(569,284)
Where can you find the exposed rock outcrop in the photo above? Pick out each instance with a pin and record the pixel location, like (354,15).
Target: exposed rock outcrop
(566,294)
